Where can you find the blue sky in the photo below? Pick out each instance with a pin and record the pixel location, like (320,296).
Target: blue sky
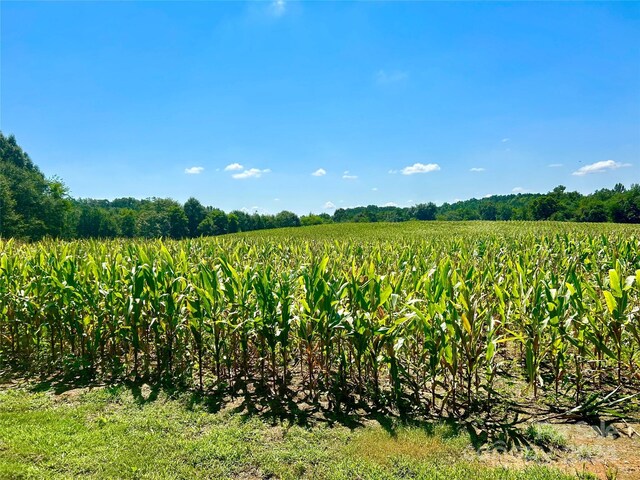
(239,104)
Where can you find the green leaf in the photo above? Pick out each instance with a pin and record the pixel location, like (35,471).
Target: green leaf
(466,324)
(611,302)
(384,296)
(614,283)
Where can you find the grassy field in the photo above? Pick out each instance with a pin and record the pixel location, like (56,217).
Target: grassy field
(119,432)
(321,352)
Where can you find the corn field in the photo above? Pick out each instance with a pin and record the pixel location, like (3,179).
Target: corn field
(432,320)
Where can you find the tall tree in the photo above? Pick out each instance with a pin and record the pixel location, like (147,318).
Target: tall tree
(178,222)
(215,223)
(426,211)
(286,219)
(195,213)
(32,206)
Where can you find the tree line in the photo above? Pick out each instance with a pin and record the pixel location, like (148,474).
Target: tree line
(619,205)
(33,207)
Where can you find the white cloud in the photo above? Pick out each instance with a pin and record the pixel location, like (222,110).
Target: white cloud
(393,172)
(518,190)
(477,169)
(329,206)
(278,7)
(599,167)
(347,176)
(390,204)
(194,170)
(505,140)
(383,77)
(555,165)
(251,173)
(420,168)
(319,172)
(233,166)
(488,195)
(374,189)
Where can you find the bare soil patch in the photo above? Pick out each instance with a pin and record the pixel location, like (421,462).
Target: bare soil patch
(612,454)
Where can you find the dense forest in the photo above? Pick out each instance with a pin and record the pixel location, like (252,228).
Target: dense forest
(33,207)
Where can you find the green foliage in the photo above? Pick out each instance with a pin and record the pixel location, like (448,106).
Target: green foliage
(195,213)
(31,206)
(312,219)
(286,219)
(544,207)
(233,224)
(415,316)
(424,211)
(178,222)
(127,222)
(215,223)
(545,435)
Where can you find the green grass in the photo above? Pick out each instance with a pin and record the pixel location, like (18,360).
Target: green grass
(546,435)
(112,433)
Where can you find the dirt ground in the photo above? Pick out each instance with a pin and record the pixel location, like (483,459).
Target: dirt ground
(608,452)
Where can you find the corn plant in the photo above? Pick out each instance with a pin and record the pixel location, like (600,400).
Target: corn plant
(431,322)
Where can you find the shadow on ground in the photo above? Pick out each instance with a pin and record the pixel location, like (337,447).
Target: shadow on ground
(250,399)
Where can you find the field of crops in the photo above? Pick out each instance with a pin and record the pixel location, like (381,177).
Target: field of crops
(422,316)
